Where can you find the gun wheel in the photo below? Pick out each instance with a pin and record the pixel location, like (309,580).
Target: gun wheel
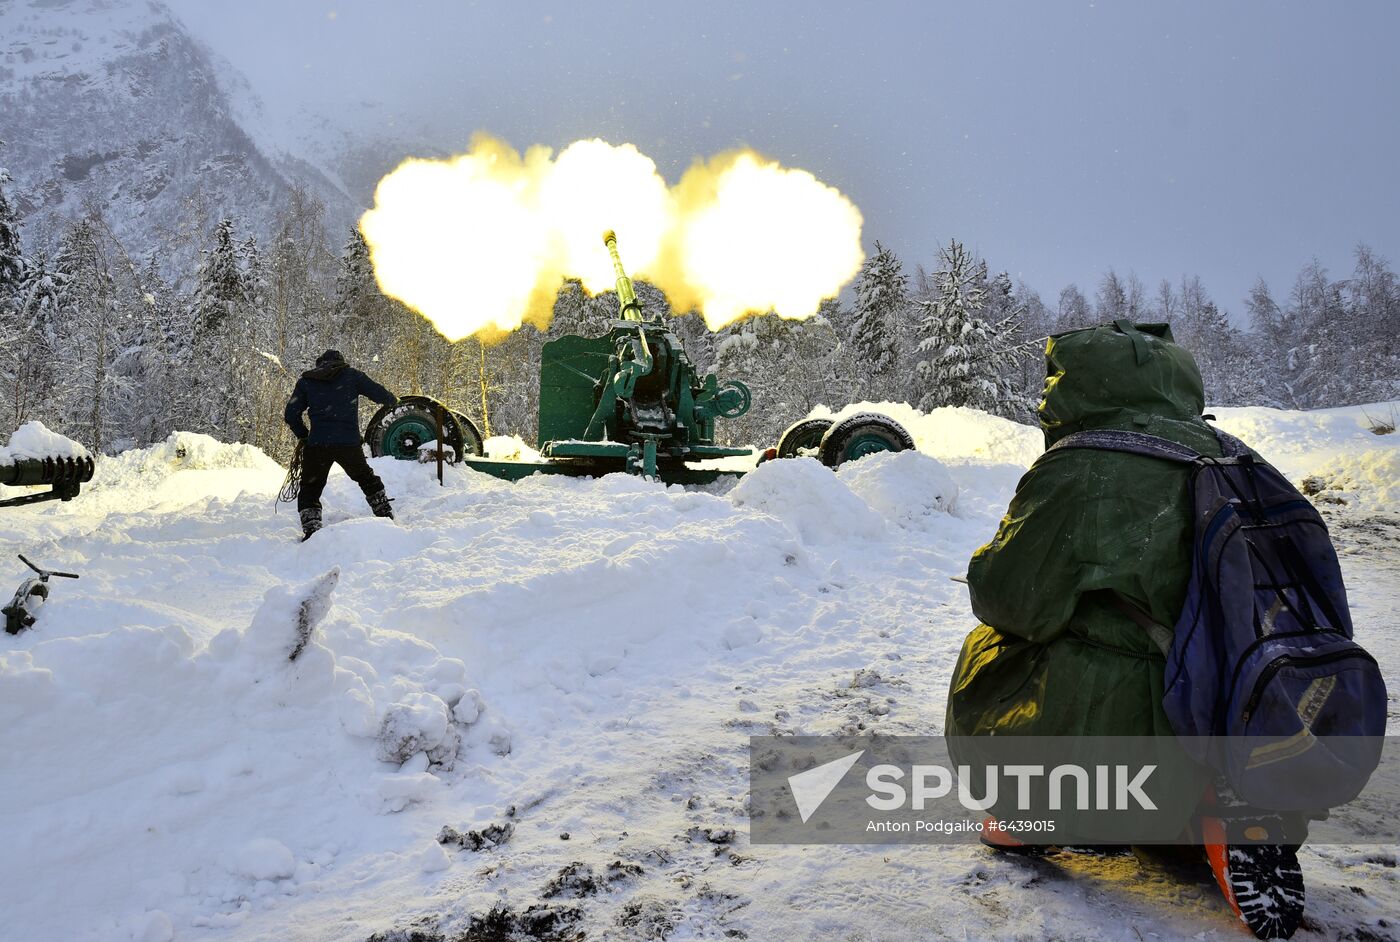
(471,435)
(400,430)
(802,438)
(865,433)
(737,398)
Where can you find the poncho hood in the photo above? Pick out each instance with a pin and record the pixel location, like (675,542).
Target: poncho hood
(1121,375)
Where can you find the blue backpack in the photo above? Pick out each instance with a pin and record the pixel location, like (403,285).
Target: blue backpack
(1264,683)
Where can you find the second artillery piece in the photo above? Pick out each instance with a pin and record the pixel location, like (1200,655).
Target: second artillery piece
(63,475)
(630,400)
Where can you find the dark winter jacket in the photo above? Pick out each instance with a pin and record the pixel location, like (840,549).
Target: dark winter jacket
(330,393)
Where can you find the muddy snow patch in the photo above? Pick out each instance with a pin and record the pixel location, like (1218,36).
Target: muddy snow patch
(809,499)
(910,489)
(1368,482)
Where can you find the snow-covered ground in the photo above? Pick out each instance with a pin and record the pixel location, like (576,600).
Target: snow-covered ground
(565,673)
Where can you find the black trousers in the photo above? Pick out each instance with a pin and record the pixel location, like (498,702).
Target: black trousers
(316,461)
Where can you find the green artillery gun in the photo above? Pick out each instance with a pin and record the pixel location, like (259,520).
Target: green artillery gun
(64,476)
(630,401)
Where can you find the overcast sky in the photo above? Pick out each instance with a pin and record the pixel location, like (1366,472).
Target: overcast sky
(1233,140)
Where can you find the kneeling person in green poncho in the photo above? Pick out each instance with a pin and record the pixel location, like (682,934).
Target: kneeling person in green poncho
(1095,551)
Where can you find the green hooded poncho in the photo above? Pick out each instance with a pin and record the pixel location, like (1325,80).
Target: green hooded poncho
(1053,655)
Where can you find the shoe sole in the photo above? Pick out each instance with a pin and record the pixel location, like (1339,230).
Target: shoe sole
(1263,883)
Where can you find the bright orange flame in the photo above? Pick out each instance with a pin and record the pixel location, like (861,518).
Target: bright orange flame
(481,242)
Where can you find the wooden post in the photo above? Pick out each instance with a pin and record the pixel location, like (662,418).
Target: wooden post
(437,418)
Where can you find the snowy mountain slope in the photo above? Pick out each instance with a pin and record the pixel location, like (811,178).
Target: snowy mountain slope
(111,105)
(602,649)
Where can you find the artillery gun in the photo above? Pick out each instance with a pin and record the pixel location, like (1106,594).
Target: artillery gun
(64,476)
(632,401)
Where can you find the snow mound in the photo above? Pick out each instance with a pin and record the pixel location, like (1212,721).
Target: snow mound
(187,468)
(1331,454)
(37,440)
(1368,481)
(264,859)
(908,488)
(422,722)
(956,435)
(811,501)
(509,448)
(158,727)
(182,451)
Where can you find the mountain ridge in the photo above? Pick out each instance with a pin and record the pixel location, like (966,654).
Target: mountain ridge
(113,108)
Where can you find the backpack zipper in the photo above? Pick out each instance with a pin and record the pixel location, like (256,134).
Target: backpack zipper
(1283,660)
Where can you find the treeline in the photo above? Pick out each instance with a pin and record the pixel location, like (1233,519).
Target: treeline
(99,345)
(963,336)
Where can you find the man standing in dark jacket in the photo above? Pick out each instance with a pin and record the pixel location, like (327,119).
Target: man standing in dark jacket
(331,393)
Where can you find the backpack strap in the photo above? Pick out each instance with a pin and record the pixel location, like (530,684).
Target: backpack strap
(1137,443)
(1150,446)
(1230,446)
(1161,635)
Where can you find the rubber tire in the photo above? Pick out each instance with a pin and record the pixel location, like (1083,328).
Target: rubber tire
(472,442)
(453,433)
(873,427)
(806,433)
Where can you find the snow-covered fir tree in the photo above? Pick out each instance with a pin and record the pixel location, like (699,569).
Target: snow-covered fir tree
(578,312)
(31,360)
(221,313)
(360,313)
(960,356)
(90,323)
(882,294)
(156,353)
(12,267)
(11,258)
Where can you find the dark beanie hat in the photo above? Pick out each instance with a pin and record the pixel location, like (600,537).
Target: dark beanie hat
(330,356)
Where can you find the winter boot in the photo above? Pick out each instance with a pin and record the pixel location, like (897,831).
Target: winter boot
(310,522)
(379,503)
(1263,883)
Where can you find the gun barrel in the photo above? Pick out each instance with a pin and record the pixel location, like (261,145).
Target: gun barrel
(64,475)
(626,295)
